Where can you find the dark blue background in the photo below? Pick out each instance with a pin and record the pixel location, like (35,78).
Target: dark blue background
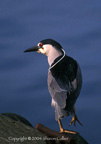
(76,24)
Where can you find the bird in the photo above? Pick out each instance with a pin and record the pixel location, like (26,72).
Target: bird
(64,80)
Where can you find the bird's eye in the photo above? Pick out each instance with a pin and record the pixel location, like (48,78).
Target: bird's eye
(41,45)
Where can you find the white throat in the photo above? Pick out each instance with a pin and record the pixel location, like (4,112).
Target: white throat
(53,55)
(58,60)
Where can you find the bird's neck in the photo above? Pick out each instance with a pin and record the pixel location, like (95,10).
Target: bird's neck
(52,56)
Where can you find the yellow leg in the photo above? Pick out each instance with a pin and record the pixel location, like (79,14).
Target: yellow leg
(74,119)
(62,130)
(60,125)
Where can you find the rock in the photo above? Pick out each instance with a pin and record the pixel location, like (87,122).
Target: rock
(16,129)
(61,138)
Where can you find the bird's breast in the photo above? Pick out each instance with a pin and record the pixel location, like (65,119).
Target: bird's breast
(58,94)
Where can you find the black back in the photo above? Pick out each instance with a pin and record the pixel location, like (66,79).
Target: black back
(65,71)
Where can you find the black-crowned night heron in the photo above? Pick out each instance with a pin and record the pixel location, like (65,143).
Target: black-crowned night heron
(64,79)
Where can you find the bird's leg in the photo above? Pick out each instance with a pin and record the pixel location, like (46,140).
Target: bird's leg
(60,125)
(62,130)
(74,119)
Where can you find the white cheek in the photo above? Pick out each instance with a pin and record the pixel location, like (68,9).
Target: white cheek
(41,51)
(46,49)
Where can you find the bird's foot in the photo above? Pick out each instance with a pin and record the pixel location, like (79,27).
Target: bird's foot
(67,131)
(74,119)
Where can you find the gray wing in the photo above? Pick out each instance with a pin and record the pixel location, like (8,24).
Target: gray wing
(59,97)
(59,94)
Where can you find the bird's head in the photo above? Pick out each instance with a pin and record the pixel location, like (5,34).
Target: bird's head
(46,46)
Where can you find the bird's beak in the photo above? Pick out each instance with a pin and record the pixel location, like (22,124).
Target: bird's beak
(34,48)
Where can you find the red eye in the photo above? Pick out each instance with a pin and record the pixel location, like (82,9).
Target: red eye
(41,45)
